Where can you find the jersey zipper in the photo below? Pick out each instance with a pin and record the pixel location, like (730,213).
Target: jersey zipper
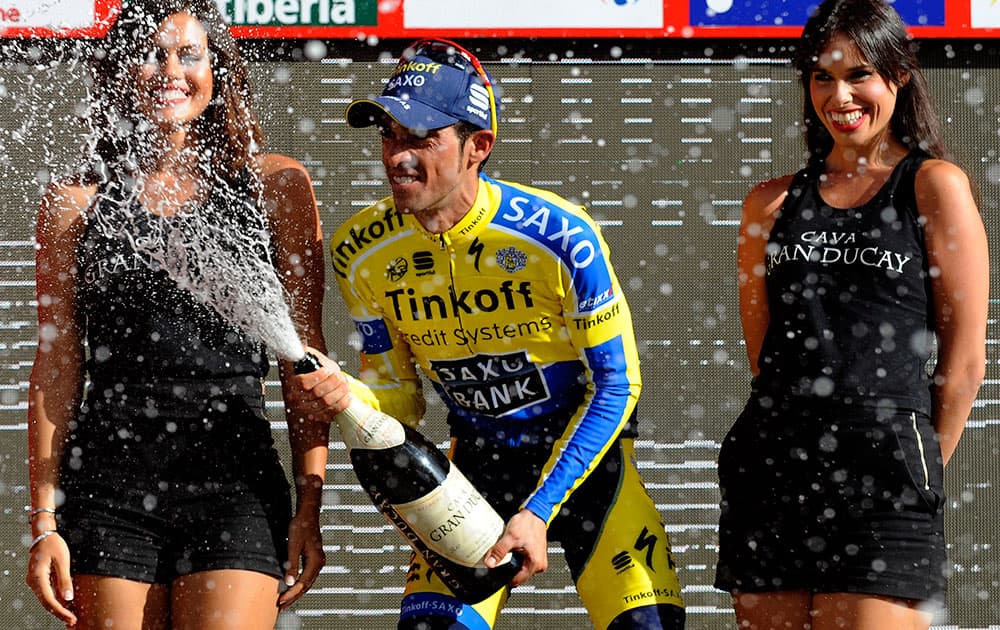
(447,247)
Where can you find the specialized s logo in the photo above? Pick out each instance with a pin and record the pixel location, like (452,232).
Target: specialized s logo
(645,544)
(476,251)
(511,259)
(646,541)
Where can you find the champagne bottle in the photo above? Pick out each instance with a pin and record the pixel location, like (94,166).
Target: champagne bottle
(426,497)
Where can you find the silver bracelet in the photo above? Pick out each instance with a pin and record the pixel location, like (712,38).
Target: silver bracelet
(36,511)
(39,538)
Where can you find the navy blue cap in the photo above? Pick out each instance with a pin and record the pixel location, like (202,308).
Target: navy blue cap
(433,86)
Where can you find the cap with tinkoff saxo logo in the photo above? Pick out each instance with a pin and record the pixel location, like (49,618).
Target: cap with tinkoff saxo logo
(436,83)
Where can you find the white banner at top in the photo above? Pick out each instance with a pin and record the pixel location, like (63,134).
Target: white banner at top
(561,14)
(985,13)
(49,14)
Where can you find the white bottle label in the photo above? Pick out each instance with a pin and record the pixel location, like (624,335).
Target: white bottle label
(362,426)
(455,521)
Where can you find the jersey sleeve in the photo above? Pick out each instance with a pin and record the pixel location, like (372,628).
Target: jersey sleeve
(388,368)
(599,326)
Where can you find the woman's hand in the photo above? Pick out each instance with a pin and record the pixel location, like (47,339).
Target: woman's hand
(49,577)
(305,541)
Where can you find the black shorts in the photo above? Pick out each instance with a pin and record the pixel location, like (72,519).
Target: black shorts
(829,502)
(157,487)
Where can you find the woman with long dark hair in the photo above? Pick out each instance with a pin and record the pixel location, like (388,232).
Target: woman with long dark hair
(853,274)
(157,496)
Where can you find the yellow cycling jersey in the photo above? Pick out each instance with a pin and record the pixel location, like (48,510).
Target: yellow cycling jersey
(514,314)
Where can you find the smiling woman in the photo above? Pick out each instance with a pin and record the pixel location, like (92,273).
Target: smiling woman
(174,84)
(158,497)
(850,271)
(850,94)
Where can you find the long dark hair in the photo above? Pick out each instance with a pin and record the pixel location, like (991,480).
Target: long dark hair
(879,33)
(228,130)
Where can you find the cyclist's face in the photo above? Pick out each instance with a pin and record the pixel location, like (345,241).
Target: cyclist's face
(430,173)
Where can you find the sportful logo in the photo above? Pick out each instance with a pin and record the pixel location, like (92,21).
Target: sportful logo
(480,100)
(423,262)
(645,544)
(479,96)
(621,561)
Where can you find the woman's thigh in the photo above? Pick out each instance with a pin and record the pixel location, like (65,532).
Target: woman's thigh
(788,610)
(225,599)
(858,611)
(102,602)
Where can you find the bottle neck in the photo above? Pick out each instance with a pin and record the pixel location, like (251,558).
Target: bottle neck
(363,426)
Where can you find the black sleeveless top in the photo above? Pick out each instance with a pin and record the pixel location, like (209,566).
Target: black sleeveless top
(140,326)
(849,295)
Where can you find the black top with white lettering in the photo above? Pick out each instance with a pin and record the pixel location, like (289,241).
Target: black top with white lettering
(849,298)
(140,326)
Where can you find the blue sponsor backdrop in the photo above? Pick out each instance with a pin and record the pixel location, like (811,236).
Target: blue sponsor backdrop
(796,12)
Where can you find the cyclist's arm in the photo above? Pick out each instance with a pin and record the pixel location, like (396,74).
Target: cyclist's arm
(605,343)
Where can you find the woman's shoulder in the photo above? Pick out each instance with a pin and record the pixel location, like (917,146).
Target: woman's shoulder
(935,172)
(773,187)
(63,209)
(942,188)
(70,194)
(73,185)
(271,164)
(767,197)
